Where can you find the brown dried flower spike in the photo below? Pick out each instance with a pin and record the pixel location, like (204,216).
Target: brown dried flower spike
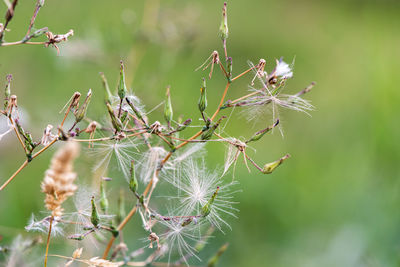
(58,183)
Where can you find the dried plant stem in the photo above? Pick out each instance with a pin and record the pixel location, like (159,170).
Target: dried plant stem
(48,242)
(38,6)
(22,42)
(26,163)
(243,73)
(244,97)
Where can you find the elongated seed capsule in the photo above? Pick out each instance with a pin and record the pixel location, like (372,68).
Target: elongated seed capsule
(136,111)
(122,86)
(270,167)
(203,97)
(81,112)
(223,29)
(94,218)
(133,183)
(206,209)
(257,136)
(108,95)
(168,113)
(117,124)
(7,91)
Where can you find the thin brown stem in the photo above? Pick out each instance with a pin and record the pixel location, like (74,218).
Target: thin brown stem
(26,163)
(48,242)
(243,73)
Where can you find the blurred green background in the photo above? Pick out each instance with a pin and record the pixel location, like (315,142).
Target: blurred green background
(334,203)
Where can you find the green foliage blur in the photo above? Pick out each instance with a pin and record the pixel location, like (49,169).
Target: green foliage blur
(335,202)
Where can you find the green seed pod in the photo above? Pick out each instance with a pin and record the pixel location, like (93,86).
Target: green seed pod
(108,95)
(203,97)
(223,29)
(257,136)
(117,124)
(168,113)
(210,131)
(103,198)
(94,218)
(133,183)
(206,209)
(270,167)
(81,112)
(7,91)
(122,86)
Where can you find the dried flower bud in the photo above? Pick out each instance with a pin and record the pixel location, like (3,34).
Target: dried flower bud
(94,218)
(108,95)
(257,136)
(206,209)
(168,113)
(270,167)
(183,126)
(133,183)
(122,86)
(203,97)
(81,112)
(47,135)
(223,29)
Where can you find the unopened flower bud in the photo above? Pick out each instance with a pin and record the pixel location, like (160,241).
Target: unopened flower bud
(133,183)
(114,120)
(206,209)
(208,133)
(122,86)
(94,218)
(168,113)
(203,97)
(81,112)
(270,167)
